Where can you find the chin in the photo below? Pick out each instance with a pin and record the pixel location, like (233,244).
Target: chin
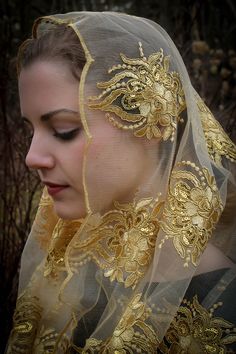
(68,212)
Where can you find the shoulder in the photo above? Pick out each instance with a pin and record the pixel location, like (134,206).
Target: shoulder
(206,319)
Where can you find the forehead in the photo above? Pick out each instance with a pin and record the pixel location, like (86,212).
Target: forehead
(46,85)
(46,73)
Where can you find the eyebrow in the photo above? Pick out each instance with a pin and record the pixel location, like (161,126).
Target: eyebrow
(47,116)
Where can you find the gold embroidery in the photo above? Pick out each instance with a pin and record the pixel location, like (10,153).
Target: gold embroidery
(131,335)
(48,340)
(195,330)
(192,209)
(28,336)
(45,220)
(25,323)
(218,143)
(61,237)
(145,94)
(123,241)
(49,21)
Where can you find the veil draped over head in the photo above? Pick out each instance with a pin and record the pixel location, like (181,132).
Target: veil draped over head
(152,270)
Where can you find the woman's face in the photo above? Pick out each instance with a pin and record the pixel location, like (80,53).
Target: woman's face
(116,164)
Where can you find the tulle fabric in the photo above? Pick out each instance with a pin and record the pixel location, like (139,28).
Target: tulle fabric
(143,248)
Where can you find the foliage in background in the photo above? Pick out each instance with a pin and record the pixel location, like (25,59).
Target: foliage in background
(204,31)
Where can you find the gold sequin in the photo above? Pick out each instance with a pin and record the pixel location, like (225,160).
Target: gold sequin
(192,209)
(195,330)
(131,335)
(29,335)
(218,142)
(62,234)
(122,242)
(49,341)
(145,94)
(25,323)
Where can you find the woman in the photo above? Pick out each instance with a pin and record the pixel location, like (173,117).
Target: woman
(133,248)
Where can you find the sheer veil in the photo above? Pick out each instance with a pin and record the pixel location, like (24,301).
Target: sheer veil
(124,268)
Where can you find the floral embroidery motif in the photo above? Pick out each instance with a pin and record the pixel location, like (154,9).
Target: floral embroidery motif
(218,143)
(145,94)
(122,242)
(27,337)
(192,209)
(60,238)
(132,334)
(25,324)
(195,330)
(48,341)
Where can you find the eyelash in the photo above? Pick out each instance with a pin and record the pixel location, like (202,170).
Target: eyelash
(66,135)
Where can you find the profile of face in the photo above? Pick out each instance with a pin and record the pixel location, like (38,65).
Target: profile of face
(116,165)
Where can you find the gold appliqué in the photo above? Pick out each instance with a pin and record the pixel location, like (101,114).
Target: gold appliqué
(25,323)
(145,94)
(195,330)
(27,335)
(192,209)
(218,142)
(49,341)
(62,234)
(131,335)
(122,242)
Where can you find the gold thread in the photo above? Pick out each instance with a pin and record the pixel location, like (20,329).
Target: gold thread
(89,61)
(218,142)
(122,241)
(191,211)
(145,94)
(195,330)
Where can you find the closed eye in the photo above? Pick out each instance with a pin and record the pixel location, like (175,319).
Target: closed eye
(67,135)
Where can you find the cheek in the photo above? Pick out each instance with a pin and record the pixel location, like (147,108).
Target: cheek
(103,153)
(72,161)
(114,162)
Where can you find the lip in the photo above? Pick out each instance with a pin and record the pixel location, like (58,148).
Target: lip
(54,188)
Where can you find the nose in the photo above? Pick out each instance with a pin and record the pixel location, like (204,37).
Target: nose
(39,156)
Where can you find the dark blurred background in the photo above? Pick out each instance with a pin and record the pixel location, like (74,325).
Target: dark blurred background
(203,30)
